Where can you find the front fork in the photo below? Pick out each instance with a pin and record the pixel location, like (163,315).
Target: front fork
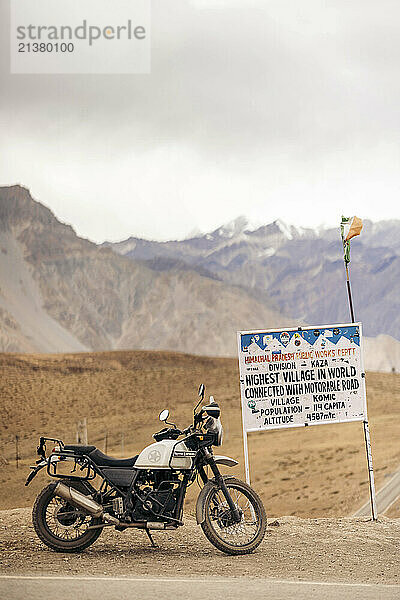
(209,459)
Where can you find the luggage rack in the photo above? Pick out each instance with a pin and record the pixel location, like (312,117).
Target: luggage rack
(60,454)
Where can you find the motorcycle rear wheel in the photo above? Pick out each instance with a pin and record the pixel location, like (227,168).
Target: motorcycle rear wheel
(59,525)
(219,527)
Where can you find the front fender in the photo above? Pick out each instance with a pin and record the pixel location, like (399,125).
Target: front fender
(200,505)
(225,460)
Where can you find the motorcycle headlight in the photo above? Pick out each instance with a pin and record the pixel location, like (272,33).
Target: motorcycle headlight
(215,426)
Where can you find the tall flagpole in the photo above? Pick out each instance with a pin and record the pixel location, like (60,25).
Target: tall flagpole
(353,319)
(347,234)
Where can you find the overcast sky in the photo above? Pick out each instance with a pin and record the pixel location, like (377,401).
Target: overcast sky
(269,108)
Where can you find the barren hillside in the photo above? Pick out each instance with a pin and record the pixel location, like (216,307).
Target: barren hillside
(62,293)
(317,471)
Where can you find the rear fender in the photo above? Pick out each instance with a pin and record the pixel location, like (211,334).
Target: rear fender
(201,504)
(35,471)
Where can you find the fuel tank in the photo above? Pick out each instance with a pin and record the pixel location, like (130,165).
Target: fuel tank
(167,454)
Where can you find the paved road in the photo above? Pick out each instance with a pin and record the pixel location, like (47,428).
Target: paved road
(142,588)
(386,496)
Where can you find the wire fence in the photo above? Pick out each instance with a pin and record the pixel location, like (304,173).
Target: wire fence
(17,449)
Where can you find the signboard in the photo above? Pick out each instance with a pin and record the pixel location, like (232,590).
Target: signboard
(301,376)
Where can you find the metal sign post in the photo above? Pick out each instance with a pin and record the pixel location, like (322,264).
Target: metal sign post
(370,471)
(367,437)
(347,235)
(245,451)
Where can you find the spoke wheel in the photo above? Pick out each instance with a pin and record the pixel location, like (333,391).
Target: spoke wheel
(64,521)
(219,524)
(61,526)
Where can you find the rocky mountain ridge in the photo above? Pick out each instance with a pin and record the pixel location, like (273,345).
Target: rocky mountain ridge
(62,293)
(300,269)
(59,292)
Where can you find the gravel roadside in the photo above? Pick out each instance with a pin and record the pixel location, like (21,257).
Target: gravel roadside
(351,550)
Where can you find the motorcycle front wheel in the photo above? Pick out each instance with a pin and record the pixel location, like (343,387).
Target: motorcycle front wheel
(59,525)
(219,526)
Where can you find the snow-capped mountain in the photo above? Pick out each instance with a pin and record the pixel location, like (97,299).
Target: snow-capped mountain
(300,269)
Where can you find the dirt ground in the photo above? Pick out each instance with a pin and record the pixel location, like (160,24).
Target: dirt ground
(338,550)
(311,472)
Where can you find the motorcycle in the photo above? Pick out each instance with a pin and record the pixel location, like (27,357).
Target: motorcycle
(148,490)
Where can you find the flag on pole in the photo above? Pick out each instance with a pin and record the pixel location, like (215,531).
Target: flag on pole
(350,227)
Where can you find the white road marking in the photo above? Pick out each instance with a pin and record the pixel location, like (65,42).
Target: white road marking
(385,497)
(192,580)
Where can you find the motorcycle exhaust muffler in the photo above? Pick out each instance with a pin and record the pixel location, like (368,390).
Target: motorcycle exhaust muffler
(81,501)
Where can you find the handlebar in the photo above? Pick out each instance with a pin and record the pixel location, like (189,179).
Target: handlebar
(199,418)
(168,433)
(173,433)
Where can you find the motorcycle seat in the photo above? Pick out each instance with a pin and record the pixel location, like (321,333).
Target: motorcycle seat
(102,460)
(79,448)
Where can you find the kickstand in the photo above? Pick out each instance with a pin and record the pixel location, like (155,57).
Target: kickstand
(153,544)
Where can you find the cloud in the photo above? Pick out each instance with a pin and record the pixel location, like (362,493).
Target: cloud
(275,108)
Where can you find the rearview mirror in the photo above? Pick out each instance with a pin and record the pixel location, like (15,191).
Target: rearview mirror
(202,389)
(164,414)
